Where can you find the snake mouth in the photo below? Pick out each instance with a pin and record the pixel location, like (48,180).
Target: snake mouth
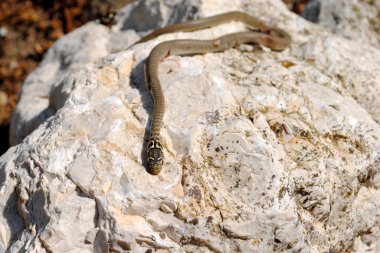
(155,170)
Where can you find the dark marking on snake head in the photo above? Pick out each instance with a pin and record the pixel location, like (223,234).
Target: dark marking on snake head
(155,156)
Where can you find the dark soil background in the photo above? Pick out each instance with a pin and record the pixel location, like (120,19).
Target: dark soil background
(29,27)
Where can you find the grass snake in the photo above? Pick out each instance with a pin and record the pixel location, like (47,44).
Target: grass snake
(271,37)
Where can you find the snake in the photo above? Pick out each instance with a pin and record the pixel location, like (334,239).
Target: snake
(271,37)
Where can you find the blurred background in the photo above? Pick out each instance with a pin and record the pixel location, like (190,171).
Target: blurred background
(29,27)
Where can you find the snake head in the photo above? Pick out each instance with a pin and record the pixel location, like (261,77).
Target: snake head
(155,156)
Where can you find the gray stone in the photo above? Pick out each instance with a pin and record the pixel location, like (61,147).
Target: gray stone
(356,20)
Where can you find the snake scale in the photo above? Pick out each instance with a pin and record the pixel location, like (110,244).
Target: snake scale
(271,37)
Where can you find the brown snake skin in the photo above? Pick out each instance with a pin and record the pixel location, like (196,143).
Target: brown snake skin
(271,37)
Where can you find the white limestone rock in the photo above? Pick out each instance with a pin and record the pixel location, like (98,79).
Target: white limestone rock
(265,151)
(356,20)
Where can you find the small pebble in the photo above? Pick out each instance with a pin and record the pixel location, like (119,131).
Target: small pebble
(164,208)
(168,207)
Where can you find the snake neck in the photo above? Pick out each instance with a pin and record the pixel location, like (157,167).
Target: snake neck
(155,134)
(156,123)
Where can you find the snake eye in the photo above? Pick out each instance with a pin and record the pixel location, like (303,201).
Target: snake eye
(155,156)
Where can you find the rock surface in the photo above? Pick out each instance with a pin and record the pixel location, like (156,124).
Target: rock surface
(356,20)
(265,151)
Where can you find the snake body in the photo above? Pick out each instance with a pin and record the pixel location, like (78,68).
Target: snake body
(271,37)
